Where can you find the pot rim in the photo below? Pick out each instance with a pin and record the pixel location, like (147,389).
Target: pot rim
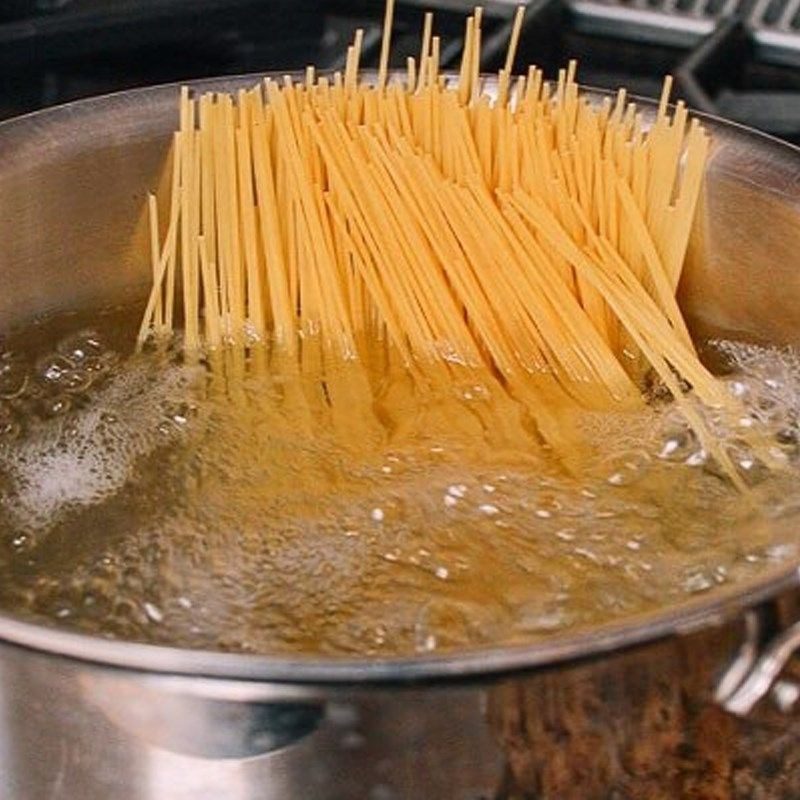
(724,605)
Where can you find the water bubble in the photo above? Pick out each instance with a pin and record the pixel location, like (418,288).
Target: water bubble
(429,644)
(100,365)
(697,459)
(52,369)
(380,634)
(80,346)
(698,582)
(534,618)
(10,429)
(782,551)
(678,445)
(56,406)
(670,446)
(153,612)
(588,554)
(13,377)
(75,381)
(738,388)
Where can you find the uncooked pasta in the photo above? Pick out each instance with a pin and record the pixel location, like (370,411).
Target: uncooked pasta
(444,224)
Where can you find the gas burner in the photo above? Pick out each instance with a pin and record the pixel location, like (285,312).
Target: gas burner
(734,58)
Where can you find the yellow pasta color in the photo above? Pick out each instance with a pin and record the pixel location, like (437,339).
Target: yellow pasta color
(429,229)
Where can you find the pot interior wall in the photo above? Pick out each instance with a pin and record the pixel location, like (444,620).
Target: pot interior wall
(741,278)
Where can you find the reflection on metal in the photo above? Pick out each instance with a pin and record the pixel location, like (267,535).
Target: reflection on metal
(744,661)
(195,719)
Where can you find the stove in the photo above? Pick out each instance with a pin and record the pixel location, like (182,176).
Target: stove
(735,58)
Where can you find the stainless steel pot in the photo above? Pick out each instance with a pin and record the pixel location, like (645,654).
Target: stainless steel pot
(694,701)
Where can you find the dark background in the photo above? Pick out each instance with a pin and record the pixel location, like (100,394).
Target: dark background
(737,58)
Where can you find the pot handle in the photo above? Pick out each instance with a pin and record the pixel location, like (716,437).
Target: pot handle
(756,669)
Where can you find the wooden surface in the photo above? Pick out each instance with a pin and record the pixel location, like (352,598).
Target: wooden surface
(644,727)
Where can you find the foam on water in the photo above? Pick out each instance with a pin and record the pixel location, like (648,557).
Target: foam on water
(82,458)
(143,498)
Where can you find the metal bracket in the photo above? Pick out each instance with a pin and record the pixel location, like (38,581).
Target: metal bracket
(756,670)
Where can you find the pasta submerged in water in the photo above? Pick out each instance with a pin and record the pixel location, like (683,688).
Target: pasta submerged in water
(441,228)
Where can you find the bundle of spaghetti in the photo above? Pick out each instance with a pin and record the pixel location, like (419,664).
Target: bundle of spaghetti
(513,233)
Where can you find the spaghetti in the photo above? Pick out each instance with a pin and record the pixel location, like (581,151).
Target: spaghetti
(442,227)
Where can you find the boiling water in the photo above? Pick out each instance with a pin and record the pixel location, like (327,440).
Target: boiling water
(146,498)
